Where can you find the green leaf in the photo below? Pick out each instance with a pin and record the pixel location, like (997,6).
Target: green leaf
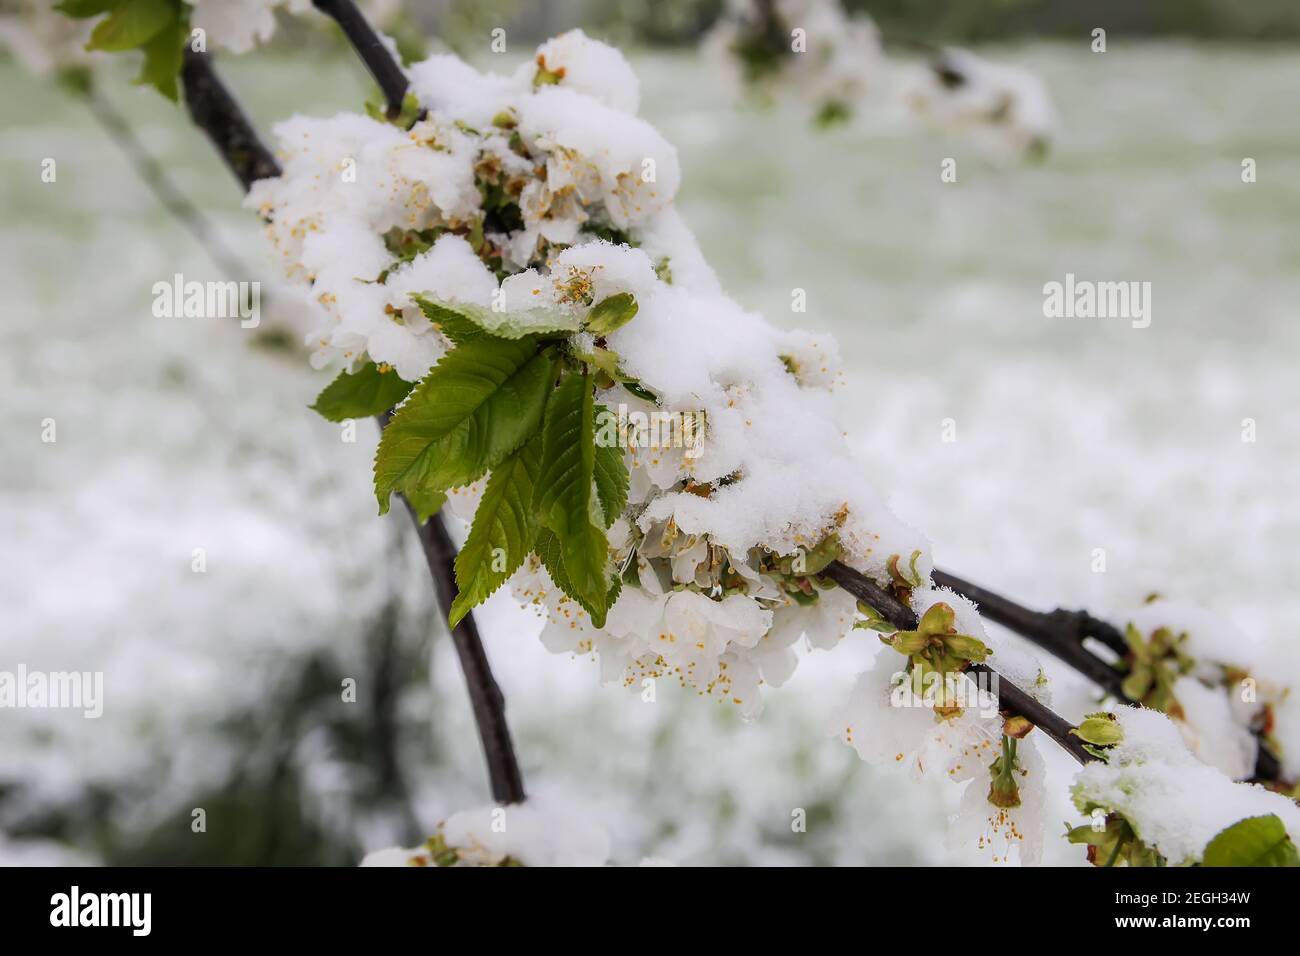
(565,494)
(1100,729)
(131,24)
(516,324)
(611,473)
(425,501)
(612,313)
(481,402)
(361,394)
(547,548)
(84,9)
(162,58)
(503,531)
(457,326)
(1255,841)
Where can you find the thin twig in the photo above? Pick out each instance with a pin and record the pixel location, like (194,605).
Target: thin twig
(1061,633)
(386,71)
(1058,632)
(1012,700)
(216,112)
(1059,625)
(484,694)
(153,175)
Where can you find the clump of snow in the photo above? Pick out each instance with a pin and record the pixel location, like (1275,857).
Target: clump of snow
(1230,693)
(594,69)
(239,25)
(525,833)
(1175,803)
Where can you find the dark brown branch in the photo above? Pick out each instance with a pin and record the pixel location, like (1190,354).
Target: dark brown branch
(386,71)
(1061,634)
(1059,625)
(1012,700)
(215,111)
(484,694)
(1058,632)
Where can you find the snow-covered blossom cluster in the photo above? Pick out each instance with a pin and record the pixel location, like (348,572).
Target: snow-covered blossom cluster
(808,50)
(526,201)
(523,834)
(814,53)
(1004,109)
(1213,681)
(1173,803)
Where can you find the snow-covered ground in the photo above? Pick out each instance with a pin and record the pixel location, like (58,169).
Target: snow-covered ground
(1071,435)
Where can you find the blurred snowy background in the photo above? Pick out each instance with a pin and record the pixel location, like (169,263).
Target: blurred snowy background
(222,688)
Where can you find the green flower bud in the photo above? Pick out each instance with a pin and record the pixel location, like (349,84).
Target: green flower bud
(1100,730)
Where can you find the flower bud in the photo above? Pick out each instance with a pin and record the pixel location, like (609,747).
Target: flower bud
(1100,730)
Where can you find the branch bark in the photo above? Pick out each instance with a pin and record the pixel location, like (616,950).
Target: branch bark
(386,71)
(485,695)
(1061,634)
(218,114)
(1059,626)
(215,111)
(1058,632)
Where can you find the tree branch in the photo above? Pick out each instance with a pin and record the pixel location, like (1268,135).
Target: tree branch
(386,71)
(216,112)
(152,173)
(484,695)
(1012,700)
(1058,632)
(1060,625)
(1061,634)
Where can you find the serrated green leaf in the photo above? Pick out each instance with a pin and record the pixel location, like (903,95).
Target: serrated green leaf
(611,474)
(516,324)
(565,493)
(362,394)
(1255,841)
(163,56)
(452,323)
(84,9)
(131,24)
(611,313)
(481,402)
(503,531)
(547,548)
